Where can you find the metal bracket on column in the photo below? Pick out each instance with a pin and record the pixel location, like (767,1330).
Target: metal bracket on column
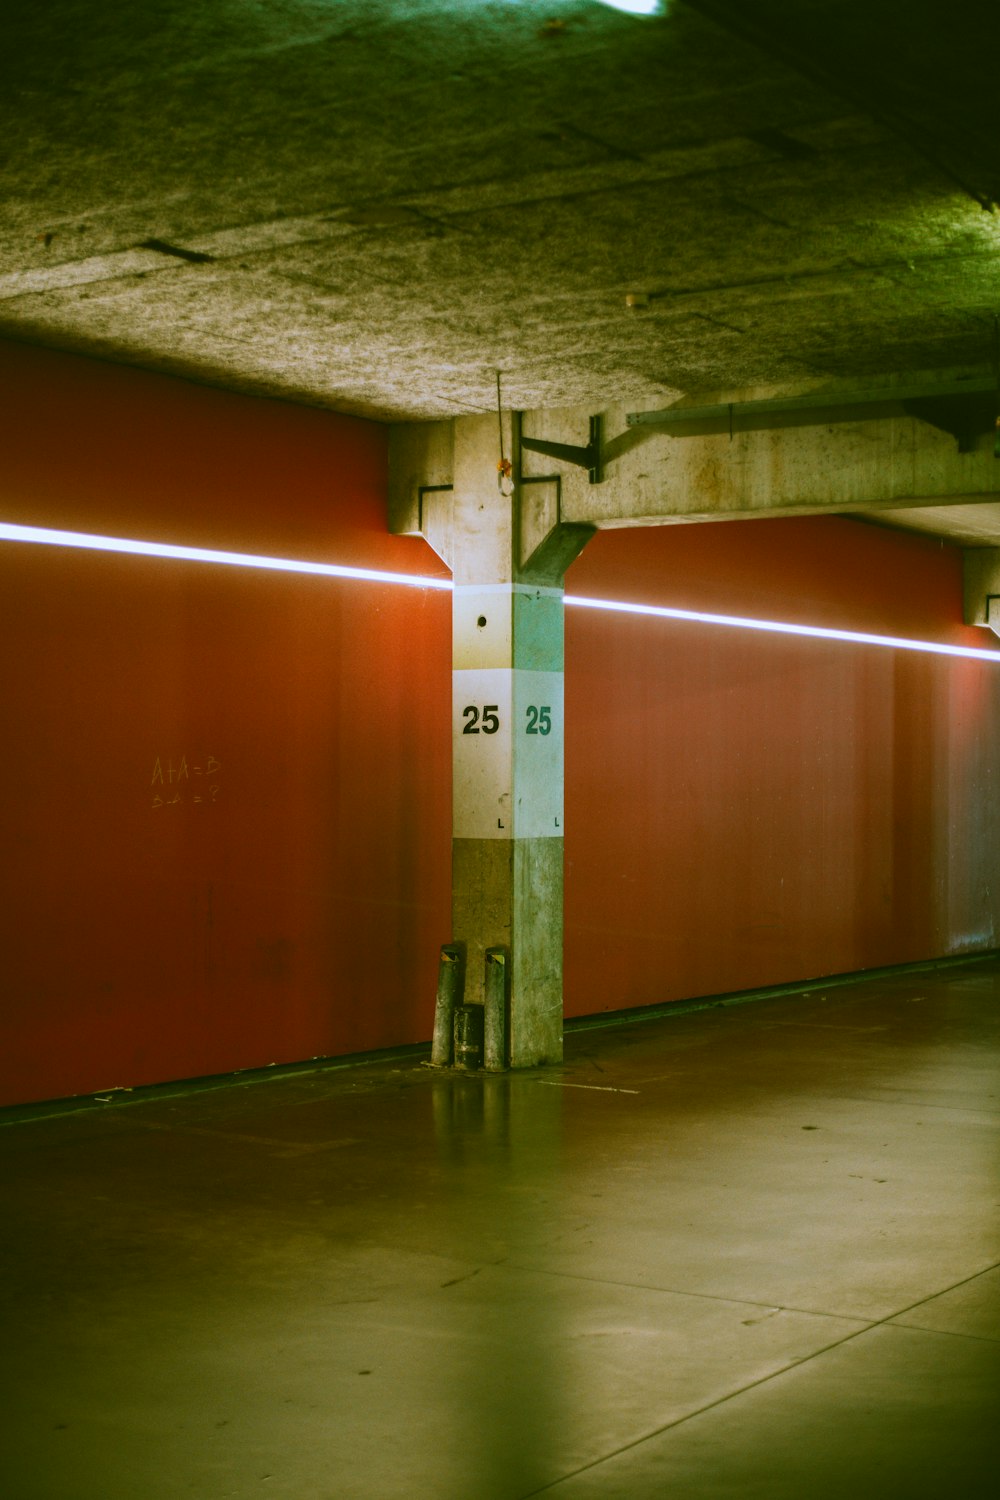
(565,539)
(588,458)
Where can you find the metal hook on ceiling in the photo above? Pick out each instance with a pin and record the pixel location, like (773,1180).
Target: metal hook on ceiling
(504,467)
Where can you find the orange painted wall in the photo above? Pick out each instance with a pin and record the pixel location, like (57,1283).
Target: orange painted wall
(741,810)
(747,809)
(286,914)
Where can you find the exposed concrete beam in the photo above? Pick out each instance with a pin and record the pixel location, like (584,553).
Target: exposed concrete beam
(421,471)
(820,402)
(794,466)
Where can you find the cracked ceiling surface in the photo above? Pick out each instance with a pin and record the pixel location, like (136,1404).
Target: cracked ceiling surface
(373,206)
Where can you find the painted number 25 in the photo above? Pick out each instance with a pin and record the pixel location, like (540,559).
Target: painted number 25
(539,720)
(471,713)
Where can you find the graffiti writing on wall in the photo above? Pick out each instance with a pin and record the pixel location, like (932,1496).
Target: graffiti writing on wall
(193,781)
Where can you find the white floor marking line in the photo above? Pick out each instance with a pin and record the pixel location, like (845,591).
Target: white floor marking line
(601,1088)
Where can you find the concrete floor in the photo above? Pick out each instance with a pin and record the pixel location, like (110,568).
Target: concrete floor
(742,1251)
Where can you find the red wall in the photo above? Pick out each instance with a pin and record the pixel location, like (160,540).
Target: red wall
(295,910)
(741,809)
(746,809)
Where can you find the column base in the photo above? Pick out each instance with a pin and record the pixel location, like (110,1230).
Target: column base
(509,893)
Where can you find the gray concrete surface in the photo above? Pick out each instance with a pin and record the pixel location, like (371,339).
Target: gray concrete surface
(748,1250)
(372,204)
(507,761)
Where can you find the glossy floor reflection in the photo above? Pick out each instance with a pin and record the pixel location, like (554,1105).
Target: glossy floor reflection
(745,1251)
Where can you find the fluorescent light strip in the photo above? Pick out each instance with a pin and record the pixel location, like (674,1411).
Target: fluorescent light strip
(85,539)
(638,7)
(90,542)
(777,627)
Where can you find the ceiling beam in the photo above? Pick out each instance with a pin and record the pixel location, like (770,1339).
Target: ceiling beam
(874,461)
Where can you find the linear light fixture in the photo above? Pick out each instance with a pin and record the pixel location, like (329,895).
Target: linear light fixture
(87,540)
(638,7)
(779,627)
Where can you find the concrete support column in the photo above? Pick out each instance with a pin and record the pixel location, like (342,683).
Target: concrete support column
(508,554)
(507,728)
(507,850)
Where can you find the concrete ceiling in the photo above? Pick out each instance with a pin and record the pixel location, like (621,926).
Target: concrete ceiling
(372,205)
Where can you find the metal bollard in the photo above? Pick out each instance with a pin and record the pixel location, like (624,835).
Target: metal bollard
(495,1019)
(451,988)
(469,1037)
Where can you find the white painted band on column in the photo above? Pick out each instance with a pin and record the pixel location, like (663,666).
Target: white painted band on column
(538,755)
(483,621)
(482,764)
(507,734)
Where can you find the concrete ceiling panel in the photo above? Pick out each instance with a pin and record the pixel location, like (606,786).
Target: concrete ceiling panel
(371,205)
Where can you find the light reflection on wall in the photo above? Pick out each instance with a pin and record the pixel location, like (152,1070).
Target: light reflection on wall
(168,550)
